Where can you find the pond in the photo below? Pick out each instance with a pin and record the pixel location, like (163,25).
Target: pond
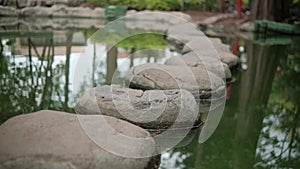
(260,126)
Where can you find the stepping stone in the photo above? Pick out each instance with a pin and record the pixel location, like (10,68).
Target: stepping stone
(200,82)
(178,35)
(213,48)
(230,59)
(204,43)
(52,140)
(151,109)
(198,60)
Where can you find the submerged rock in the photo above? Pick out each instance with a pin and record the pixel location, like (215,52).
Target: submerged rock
(52,140)
(200,82)
(152,109)
(202,61)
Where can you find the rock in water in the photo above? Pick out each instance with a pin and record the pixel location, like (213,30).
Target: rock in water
(151,109)
(56,140)
(178,35)
(202,61)
(230,59)
(205,43)
(200,82)
(211,47)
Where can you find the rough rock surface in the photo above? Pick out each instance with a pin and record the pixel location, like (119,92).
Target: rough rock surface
(209,46)
(204,43)
(29,3)
(178,35)
(230,59)
(152,109)
(8,11)
(154,20)
(62,11)
(56,140)
(214,19)
(201,83)
(159,16)
(54,11)
(202,61)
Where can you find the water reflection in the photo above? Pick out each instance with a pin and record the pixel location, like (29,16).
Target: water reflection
(111,62)
(260,125)
(254,90)
(22,79)
(259,128)
(50,70)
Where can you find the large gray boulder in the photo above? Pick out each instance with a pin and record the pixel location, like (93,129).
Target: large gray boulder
(152,109)
(204,43)
(8,11)
(178,35)
(27,24)
(202,61)
(154,20)
(230,59)
(30,3)
(56,140)
(211,46)
(200,82)
(63,11)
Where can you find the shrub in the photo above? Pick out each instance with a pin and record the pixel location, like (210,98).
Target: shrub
(141,5)
(165,5)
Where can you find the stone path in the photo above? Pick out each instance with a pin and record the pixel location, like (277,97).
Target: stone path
(157,96)
(150,109)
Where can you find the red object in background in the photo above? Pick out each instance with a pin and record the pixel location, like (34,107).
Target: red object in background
(228,93)
(239,8)
(235,47)
(235,51)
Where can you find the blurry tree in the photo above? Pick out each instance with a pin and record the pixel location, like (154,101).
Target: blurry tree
(275,10)
(221,5)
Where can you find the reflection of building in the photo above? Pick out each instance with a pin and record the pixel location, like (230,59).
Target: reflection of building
(59,43)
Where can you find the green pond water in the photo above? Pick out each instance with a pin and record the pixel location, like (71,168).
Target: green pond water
(260,126)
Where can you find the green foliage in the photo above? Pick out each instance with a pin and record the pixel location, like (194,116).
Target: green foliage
(211,5)
(165,5)
(206,5)
(141,5)
(157,4)
(144,41)
(98,2)
(294,8)
(135,4)
(138,41)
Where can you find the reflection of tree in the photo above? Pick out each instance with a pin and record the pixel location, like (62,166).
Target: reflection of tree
(271,10)
(234,143)
(284,107)
(132,56)
(254,92)
(1,46)
(31,85)
(67,68)
(111,62)
(46,95)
